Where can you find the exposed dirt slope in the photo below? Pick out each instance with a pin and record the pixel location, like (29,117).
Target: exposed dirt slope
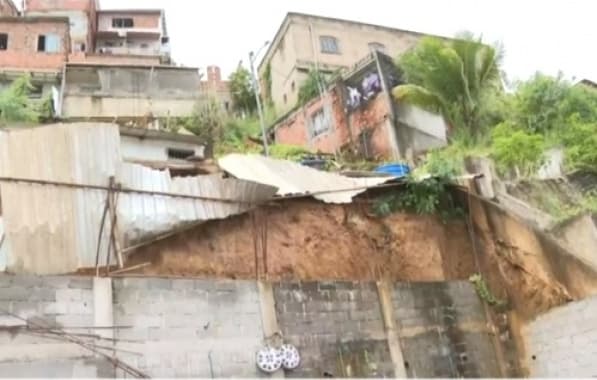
(309,240)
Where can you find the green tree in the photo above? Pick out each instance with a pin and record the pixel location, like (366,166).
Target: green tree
(311,87)
(241,88)
(207,121)
(544,103)
(517,149)
(15,105)
(456,78)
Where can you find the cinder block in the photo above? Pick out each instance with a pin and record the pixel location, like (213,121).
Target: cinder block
(80,308)
(56,282)
(74,320)
(53,308)
(69,295)
(27,281)
(5,280)
(160,283)
(14,293)
(42,294)
(81,283)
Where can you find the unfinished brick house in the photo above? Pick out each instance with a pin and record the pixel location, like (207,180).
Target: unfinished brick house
(35,45)
(49,34)
(357,113)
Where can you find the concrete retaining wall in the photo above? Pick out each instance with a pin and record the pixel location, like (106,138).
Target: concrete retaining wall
(189,328)
(211,328)
(337,327)
(563,342)
(443,331)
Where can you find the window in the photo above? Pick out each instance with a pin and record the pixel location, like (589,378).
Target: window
(293,86)
(165,40)
(144,46)
(48,43)
(122,23)
(329,45)
(376,46)
(285,99)
(319,123)
(36,91)
(82,47)
(179,154)
(3,41)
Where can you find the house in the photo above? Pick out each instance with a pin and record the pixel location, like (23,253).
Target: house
(305,42)
(216,88)
(35,45)
(358,113)
(82,16)
(128,92)
(133,32)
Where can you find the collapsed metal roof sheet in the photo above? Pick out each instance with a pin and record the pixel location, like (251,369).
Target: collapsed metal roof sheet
(51,228)
(291,178)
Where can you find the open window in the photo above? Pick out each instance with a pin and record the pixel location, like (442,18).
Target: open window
(3,41)
(48,43)
(180,154)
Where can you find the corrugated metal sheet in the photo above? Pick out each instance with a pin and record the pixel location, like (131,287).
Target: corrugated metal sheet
(144,215)
(54,229)
(292,178)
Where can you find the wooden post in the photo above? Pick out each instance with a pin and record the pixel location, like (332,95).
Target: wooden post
(384,290)
(115,233)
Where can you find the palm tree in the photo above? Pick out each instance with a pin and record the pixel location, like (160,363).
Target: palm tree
(452,77)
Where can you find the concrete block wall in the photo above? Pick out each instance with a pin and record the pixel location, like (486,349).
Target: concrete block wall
(443,330)
(46,302)
(211,328)
(563,342)
(337,327)
(188,328)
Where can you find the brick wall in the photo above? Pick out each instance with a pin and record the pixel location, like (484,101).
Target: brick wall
(563,342)
(22,51)
(184,327)
(336,326)
(443,331)
(45,5)
(372,117)
(43,302)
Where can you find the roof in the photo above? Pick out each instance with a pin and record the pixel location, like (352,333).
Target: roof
(131,66)
(33,19)
(587,82)
(152,134)
(289,15)
(138,11)
(294,179)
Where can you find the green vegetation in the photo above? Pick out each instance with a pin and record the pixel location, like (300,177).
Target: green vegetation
(15,105)
(516,149)
(288,152)
(456,78)
(241,88)
(429,196)
(311,87)
(483,291)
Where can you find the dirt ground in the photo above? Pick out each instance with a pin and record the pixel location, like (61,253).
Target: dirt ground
(310,240)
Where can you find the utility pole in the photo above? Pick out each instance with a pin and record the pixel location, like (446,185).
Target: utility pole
(258,98)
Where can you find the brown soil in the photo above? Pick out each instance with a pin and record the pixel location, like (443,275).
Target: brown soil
(309,240)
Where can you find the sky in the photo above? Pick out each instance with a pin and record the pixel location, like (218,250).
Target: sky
(548,36)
